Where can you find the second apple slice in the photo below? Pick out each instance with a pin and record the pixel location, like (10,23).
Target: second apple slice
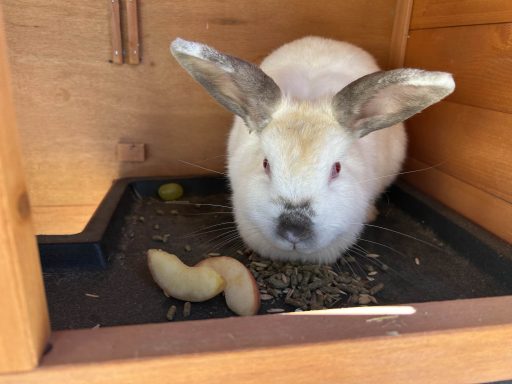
(241,291)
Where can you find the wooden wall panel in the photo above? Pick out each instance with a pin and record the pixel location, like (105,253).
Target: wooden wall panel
(74,106)
(471,144)
(467,137)
(62,219)
(449,13)
(24,322)
(479,57)
(484,209)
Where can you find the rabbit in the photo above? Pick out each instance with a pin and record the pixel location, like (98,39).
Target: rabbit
(307,153)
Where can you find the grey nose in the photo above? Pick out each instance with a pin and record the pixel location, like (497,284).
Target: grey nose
(294,227)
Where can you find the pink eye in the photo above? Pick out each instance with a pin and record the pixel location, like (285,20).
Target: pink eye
(335,170)
(266,166)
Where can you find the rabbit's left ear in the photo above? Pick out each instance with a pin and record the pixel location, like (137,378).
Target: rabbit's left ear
(241,87)
(382,99)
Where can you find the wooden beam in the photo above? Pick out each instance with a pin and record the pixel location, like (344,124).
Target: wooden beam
(115,27)
(24,324)
(441,342)
(400,33)
(449,13)
(132,19)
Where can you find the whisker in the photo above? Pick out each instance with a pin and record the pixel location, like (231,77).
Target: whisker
(380,263)
(357,251)
(349,266)
(235,246)
(205,243)
(201,167)
(385,246)
(405,235)
(206,232)
(229,232)
(372,260)
(209,213)
(225,242)
(360,248)
(406,172)
(213,157)
(210,226)
(178,202)
(356,262)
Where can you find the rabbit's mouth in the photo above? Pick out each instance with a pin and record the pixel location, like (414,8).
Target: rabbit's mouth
(295,238)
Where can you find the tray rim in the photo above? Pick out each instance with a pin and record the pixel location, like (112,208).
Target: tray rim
(450,341)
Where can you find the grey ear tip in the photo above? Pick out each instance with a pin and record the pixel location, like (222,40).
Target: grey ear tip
(174,45)
(446,80)
(450,80)
(177,44)
(430,78)
(180,45)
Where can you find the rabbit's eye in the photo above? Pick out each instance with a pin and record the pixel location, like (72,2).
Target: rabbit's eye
(335,170)
(266,166)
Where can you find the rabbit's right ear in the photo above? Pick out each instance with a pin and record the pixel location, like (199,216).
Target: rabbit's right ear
(241,87)
(383,99)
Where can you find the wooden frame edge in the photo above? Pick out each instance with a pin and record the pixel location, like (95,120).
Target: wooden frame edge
(400,33)
(463,341)
(24,324)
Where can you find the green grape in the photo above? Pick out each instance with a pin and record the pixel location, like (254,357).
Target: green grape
(171,191)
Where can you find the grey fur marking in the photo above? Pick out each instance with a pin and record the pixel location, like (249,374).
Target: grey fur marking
(241,87)
(412,90)
(289,205)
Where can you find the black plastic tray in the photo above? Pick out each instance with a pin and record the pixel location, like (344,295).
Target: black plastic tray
(100,276)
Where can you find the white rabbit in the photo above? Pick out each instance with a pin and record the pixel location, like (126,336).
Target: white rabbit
(305,164)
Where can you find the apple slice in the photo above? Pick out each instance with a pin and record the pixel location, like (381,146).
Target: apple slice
(182,282)
(241,292)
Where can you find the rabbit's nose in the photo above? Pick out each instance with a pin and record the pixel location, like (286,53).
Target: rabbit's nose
(294,227)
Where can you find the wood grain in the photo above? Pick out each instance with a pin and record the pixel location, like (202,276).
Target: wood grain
(400,33)
(115,28)
(24,324)
(74,109)
(471,144)
(445,342)
(478,56)
(132,20)
(482,208)
(448,13)
(61,220)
